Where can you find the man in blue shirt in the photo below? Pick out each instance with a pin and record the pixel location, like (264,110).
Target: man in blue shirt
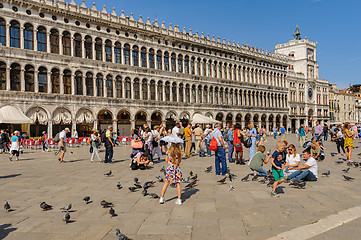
(274,132)
(302,135)
(283,133)
(230,143)
(220,154)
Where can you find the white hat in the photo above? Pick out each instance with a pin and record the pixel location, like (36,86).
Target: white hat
(67,129)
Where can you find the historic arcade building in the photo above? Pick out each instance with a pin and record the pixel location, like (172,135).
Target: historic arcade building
(68,65)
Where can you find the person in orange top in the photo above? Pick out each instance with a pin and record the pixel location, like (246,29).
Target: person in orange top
(188,138)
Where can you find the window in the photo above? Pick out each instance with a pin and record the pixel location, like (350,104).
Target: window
(2,32)
(89,84)
(118,87)
(198,66)
(180,63)
(209,72)
(109,85)
(192,66)
(29,78)
(159,60)
(15,83)
(160,91)
(117,54)
(127,88)
(98,49)
(135,56)
(136,89)
(193,95)
(166,61)
(172,62)
(66,43)
(2,76)
(216,96)
(14,34)
(143,57)
(28,37)
(41,39)
(77,45)
(144,89)
(180,99)
(152,90)
(204,72)
(99,84)
(88,47)
(42,80)
(54,41)
(151,58)
(78,83)
(55,84)
(211,95)
(126,54)
(199,94)
(174,92)
(186,65)
(108,51)
(67,81)
(167,92)
(187,94)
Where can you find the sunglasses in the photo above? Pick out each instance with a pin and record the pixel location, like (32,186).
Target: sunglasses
(290,150)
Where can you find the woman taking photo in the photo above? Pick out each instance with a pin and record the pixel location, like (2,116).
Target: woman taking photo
(95,143)
(253,135)
(348,141)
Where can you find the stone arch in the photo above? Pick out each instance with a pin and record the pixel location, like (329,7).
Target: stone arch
(171,119)
(220,117)
(229,119)
(105,119)
(185,118)
(40,118)
(256,119)
(264,120)
(271,119)
(62,118)
(247,119)
(84,118)
(278,120)
(156,118)
(124,122)
(284,121)
(208,114)
(239,118)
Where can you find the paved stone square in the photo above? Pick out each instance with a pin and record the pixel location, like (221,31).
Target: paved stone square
(209,211)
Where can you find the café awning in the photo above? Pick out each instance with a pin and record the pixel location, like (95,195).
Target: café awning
(198,118)
(12,115)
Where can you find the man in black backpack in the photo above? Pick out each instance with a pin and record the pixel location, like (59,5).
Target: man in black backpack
(109,145)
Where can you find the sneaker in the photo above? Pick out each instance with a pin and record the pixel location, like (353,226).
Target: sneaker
(10,158)
(178,201)
(161,200)
(273,194)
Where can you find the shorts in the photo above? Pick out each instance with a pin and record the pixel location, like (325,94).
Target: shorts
(61,149)
(15,153)
(278,174)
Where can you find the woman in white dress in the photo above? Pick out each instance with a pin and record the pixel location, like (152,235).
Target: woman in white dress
(292,160)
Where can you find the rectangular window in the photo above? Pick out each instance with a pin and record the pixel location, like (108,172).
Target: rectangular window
(166,63)
(159,62)
(42,42)
(135,59)
(126,57)
(117,55)
(143,57)
(2,34)
(151,60)
(28,39)
(108,54)
(14,37)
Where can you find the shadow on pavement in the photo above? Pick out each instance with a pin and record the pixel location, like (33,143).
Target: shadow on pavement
(5,230)
(10,176)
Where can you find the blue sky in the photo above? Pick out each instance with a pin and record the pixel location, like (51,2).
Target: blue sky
(334,24)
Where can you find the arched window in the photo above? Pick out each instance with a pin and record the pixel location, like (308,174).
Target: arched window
(152,90)
(199,67)
(100,85)
(209,74)
(28,36)
(29,78)
(192,66)
(98,49)
(215,69)
(220,70)
(66,43)
(166,61)
(54,41)
(216,96)
(160,91)
(193,99)
(167,92)
(205,94)
(78,83)
(136,88)
(42,80)
(143,57)
(108,51)
(2,76)
(172,62)
(180,99)
(89,84)
(204,63)
(159,60)
(145,89)
(211,95)
(55,83)
(135,56)
(109,85)
(186,64)
(231,97)
(151,58)
(187,94)
(174,92)
(15,83)
(88,47)
(41,39)
(77,45)
(180,63)
(67,81)
(126,54)
(117,54)
(221,96)
(2,31)
(199,94)
(226,96)
(118,86)
(14,34)
(127,88)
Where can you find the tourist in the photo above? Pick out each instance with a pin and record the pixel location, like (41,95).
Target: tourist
(257,161)
(174,175)
(143,160)
(348,141)
(156,145)
(2,141)
(319,144)
(302,135)
(176,130)
(44,140)
(62,144)
(198,135)
(230,141)
(188,140)
(292,159)
(162,133)
(316,152)
(148,145)
(137,143)
(339,140)
(354,130)
(274,132)
(263,134)
(109,145)
(95,143)
(283,133)
(277,171)
(308,172)
(181,134)
(237,143)
(317,130)
(253,135)
(15,146)
(220,154)
(207,139)
(325,132)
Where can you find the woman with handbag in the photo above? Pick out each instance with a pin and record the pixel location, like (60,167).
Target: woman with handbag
(148,146)
(155,142)
(237,142)
(95,143)
(253,135)
(137,144)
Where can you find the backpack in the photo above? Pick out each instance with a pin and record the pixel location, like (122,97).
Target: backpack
(57,138)
(103,137)
(202,153)
(225,135)
(213,145)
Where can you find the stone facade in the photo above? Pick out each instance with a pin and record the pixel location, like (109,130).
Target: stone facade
(334,98)
(347,106)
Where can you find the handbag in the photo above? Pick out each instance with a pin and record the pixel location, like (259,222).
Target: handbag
(213,146)
(248,142)
(154,143)
(136,145)
(238,145)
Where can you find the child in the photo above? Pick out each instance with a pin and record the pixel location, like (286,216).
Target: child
(322,148)
(143,161)
(256,163)
(276,162)
(174,174)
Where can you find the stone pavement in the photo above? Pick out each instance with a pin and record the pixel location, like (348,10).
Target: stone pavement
(209,211)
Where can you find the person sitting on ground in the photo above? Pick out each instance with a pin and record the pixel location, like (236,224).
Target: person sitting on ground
(277,171)
(319,143)
(143,161)
(256,163)
(316,152)
(292,160)
(307,172)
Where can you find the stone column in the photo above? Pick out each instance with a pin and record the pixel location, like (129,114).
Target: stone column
(48,77)
(93,55)
(105,94)
(8,79)
(131,58)
(73,84)
(84,85)
(48,42)
(267,125)
(60,44)
(82,48)
(36,81)
(61,82)
(149,123)
(103,52)
(115,125)
(22,80)
(95,124)
(95,89)
(73,126)
(132,124)
(21,37)
(7,30)
(114,90)
(50,128)
(72,46)
(35,31)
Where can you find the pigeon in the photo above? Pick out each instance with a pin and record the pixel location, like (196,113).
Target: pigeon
(108,174)
(208,169)
(263,181)
(356,164)
(7,207)
(301,185)
(346,170)
(255,178)
(231,188)
(245,179)
(348,178)
(106,204)
(339,162)
(163,171)
(111,212)
(66,218)
(222,181)
(132,189)
(153,195)
(119,186)
(230,176)
(86,199)
(121,236)
(326,173)
(138,185)
(160,179)
(349,164)
(191,184)
(45,207)
(66,208)
(136,180)
(148,184)
(144,192)
(333,154)
(191,173)
(186,180)
(194,177)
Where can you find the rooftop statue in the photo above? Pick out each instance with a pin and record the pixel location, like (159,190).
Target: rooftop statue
(297,34)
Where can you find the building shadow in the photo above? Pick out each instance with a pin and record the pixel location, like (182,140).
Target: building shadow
(187,193)
(10,176)
(5,229)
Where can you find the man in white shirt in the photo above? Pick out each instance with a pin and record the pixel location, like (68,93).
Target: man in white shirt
(309,171)
(176,130)
(220,154)
(62,143)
